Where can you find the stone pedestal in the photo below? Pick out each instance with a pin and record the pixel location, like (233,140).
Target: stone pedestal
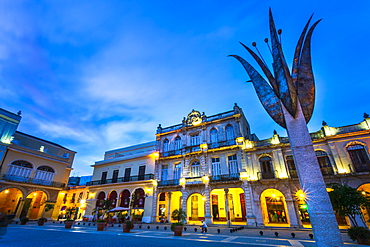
(324,224)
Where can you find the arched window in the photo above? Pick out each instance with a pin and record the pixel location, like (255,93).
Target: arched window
(100,199)
(230,136)
(44,175)
(113,197)
(359,157)
(19,170)
(214,135)
(324,162)
(266,167)
(125,199)
(195,169)
(166,143)
(291,166)
(178,143)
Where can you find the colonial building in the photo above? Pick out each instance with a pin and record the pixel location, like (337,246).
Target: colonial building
(216,170)
(32,172)
(125,178)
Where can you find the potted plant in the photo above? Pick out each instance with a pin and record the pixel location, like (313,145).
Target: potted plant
(127,226)
(359,233)
(24,220)
(180,216)
(100,224)
(41,221)
(68,223)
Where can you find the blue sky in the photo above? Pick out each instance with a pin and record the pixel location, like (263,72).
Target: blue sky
(100,75)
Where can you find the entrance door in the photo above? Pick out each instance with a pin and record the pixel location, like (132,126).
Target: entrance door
(26,206)
(231,208)
(215,212)
(194,207)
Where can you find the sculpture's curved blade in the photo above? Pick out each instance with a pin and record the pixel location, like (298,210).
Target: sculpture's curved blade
(305,78)
(265,93)
(287,91)
(297,53)
(264,68)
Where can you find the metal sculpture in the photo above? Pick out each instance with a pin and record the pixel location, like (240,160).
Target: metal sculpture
(289,100)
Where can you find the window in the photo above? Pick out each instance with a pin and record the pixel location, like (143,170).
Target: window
(230,133)
(178,143)
(324,162)
(73,198)
(141,172)
(44,175)
(164,173)
(177,171)
(126,178)
(104,178)
(19,170)
(214,135)
(233,164)
(195,169)
(194,140)
(80,197)
(115,176)
(359,157)
(266,167)
(291,166)
(166,145)
(216,167)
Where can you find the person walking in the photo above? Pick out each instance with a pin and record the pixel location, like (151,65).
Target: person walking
(204,226)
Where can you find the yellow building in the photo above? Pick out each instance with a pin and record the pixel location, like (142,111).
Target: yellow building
(33,171)
(125,178)
(216,170)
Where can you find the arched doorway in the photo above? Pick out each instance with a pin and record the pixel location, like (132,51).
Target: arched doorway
(138,202)
(113,198)
(34,205)
(196,207)
(274,209)
(302,208)
(365,189)
(10,201)
(167,203)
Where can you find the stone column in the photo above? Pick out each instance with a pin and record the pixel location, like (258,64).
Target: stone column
(249,205)
(207,213)
(155,205)
(293,220)
(324,224)
(227,206)
(169,206)
(184,206)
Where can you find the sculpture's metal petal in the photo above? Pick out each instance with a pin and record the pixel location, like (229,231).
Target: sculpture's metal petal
(265,93)
(287,91)
(305,78)
(264,68)
(297,53)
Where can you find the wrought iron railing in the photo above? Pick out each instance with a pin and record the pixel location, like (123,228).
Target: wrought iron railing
(361,167)
(121,179)
(33,181)
(225,177)
(169,182)
(267,175)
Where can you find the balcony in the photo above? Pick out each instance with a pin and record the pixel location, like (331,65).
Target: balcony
(27,180)
(225,177)
(361,167)
(194,180)
(174,182)
(266,175)
(121,180)
(293,173)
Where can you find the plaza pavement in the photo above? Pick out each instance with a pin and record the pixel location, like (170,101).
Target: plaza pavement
(54,234)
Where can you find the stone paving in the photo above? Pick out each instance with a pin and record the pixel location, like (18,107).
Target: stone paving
(54,234)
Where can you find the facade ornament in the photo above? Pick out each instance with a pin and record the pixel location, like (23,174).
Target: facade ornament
(194,118)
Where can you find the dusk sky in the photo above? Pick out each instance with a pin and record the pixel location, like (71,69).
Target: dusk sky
(100,75)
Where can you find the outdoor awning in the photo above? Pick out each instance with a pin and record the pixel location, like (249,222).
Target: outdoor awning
(118,209)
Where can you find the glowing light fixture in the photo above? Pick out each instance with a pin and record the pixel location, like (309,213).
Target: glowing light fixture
(203,146)
(273,195)
(205,179)
(83,201)
(182,181)
(6,191)
(240,139)
(35,194)
(341,171)
(243,175)
(155,155)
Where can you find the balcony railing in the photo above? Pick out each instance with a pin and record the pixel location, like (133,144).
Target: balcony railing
(293,173)
(327,171)
(225,177)
(361,167)
(121,179)
(194,180)
(267,175)
(33,181)
(169,182)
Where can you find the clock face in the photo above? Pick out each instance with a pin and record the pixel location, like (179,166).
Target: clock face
(194,118)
